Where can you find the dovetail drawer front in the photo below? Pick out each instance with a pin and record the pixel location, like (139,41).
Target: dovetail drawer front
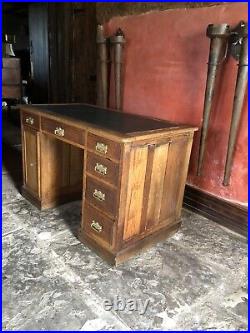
(101,196)
(103,168)
(97,225)
(64,131)
(104,147)
(31,120)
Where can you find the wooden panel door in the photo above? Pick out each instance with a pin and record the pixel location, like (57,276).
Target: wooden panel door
(154,189)
(83,52)
(31,158)
(71,34)
(135,192)
(156,181)
(175,177)
(60,51)
(39,56)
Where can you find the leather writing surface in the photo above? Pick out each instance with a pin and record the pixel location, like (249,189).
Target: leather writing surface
(121,122)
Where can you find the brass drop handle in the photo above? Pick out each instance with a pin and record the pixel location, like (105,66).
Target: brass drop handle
(29,120)
(59,131)
(96,226)
(100,168)
(99,195)
(101,148)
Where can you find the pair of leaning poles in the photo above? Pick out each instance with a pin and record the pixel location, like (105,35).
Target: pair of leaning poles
(223,41)
(116,42)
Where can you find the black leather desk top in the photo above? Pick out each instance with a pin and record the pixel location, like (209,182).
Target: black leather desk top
(121,122)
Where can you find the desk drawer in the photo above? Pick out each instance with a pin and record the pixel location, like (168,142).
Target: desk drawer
(97,225)
(62,130)
(101,196)
(30,119)
(103,168)
(103,146)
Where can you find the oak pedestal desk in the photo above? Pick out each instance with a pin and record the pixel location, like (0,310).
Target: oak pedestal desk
(129,170)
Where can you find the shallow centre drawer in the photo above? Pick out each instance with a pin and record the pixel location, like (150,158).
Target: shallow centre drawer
(97,225)
(103,168)
(101,196)
(62,130)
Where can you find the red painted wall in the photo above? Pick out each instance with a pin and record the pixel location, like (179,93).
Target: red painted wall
(165,74)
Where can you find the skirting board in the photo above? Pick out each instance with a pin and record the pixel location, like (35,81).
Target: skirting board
(229,215)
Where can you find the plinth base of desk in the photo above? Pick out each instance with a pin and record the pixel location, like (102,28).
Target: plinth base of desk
(132,249)
(46,204)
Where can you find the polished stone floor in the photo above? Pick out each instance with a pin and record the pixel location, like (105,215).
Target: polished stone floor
(195,280)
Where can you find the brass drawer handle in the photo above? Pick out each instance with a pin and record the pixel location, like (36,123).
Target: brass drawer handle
(29,120)
(99,168)
(96,226)
(101,148)
(99,195)
(59,131)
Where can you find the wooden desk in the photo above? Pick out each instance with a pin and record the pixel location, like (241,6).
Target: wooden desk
(130,171)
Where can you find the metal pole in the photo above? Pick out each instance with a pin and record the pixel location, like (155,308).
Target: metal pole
(102,67)
(240,88)
(118,41)
(218,48)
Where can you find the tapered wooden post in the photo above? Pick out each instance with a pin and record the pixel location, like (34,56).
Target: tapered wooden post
(217,34)
(102,67)
(118,41)
(240,89)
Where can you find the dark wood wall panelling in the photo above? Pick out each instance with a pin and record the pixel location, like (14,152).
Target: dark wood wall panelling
(60,50)
(62,37)
(84,53)
(230,215)
(38,33)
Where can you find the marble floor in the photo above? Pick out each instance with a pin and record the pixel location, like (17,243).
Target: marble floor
(195,280)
